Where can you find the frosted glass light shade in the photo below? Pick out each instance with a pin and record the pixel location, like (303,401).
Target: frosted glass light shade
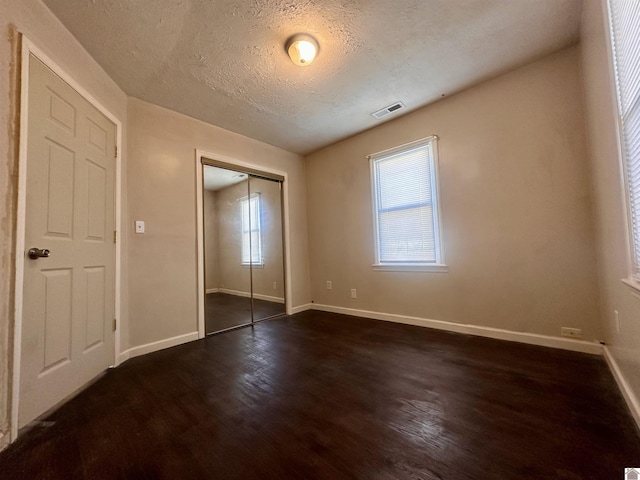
(302,49)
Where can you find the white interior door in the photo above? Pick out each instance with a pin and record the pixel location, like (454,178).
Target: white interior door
(69,296)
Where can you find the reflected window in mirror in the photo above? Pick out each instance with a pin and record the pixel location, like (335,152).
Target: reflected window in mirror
(251,231)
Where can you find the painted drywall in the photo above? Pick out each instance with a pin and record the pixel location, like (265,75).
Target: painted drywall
(33,19)
(516,209)
(272,271)
(211,275)
(232,275)
(610,213)
(162,192)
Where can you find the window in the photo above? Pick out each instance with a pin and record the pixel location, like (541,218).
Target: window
(624,16)
(251,235)
(406,214)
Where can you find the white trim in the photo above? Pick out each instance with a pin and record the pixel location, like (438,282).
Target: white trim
(259,296)
(20,239)
(254,265)
(199,154)
(4,441)
(438,221)
(212,290)
(29,48)
(632,284)
(497,333)
(401,148)
(431,143)
(200,245)
(301,308)
(159,345)
(406,267)
(625,388)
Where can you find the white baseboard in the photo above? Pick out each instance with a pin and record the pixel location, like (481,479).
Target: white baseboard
(497,333)
(301,308)
(259,296)
(159,345)
(268,298)
(123,357)
(4,440)
(237,293)
(625,388)
(212,290)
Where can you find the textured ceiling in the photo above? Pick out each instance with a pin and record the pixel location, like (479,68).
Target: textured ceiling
(215,178)
(223,61)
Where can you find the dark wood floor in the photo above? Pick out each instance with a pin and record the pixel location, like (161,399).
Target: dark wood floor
(324,396)
(224,311)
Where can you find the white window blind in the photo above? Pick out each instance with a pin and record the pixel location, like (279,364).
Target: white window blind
(405,204)
(251,235)
(625,31)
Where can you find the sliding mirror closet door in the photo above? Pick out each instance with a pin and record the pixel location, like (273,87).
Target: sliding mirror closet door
(227,275)
(243,246)
(263,246)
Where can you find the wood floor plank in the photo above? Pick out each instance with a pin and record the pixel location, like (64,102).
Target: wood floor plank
(223,311)
(327,396)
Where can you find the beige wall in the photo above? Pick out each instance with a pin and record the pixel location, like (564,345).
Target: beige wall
(232,275)
(272,271)
(162,192)
(611,226)
(517,217)
(211,275)
(33,19)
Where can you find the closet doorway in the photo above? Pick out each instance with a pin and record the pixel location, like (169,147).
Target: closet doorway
(243,246)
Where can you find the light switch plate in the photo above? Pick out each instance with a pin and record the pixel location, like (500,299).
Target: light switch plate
(139,226)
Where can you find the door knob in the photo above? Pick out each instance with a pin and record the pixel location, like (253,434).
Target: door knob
(35,253)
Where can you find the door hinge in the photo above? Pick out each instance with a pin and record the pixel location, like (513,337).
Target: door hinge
(115,155)
(115,322)
(115,236)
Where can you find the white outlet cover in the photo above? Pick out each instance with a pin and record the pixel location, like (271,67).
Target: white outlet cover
(571,332)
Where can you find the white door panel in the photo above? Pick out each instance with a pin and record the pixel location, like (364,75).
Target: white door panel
(68,305)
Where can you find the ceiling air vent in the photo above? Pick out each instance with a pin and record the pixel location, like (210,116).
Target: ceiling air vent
(388,110)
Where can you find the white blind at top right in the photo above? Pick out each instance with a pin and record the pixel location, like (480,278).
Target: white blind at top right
(625,32)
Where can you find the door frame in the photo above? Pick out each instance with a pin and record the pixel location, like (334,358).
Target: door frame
(200,154)
(28,49)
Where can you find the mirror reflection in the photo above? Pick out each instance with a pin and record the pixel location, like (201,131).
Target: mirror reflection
(266,245)
(244,274)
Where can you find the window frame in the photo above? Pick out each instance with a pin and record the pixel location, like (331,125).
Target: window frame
(633,240)
(248,199)
(439,264)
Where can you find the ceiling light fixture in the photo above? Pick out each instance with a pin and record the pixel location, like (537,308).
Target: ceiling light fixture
(302,49)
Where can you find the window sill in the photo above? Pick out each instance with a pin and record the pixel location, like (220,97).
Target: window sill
(632,284)
(432,267)
(254,265)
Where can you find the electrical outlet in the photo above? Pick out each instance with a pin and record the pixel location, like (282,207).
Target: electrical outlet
(571,332)
(616,316)
(354,293)
(329,285)
(275,285)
